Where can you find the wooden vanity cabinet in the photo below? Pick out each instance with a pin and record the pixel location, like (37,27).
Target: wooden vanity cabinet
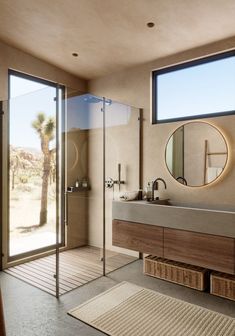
(209,251)
(199,249)
(138,237)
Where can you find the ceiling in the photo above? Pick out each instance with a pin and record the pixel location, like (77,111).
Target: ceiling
(110,35)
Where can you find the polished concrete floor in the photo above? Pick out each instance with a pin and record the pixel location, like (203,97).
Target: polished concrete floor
(32,312)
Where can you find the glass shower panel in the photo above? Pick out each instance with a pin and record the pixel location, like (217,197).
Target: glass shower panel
(84,186)
(91,149)
(32,172)
(122,154)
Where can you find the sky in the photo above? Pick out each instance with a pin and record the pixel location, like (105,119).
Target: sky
(201,89)
(27,99)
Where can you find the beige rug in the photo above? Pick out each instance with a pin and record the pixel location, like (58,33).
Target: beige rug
(130,310)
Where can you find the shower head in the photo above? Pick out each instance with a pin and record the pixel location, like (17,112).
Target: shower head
(94,99)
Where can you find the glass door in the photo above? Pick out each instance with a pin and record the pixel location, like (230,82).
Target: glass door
(34,176)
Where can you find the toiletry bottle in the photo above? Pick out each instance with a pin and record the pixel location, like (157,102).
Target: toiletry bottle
(77,183)
(148,192)
(84,183)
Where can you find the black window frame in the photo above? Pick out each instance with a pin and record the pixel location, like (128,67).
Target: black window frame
(181,66)
(16,73)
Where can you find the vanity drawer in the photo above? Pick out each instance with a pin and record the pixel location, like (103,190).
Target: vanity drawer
(138,237)
(209,251)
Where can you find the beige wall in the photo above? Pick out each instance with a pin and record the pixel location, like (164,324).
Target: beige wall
(133,86)
(12,58)
(77,167)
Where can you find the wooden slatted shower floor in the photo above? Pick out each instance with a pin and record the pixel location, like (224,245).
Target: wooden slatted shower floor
(77,267)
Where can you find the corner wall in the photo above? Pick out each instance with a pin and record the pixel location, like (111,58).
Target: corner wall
(133,86)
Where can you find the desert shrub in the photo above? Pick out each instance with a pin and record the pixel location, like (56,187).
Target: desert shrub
(15,198)
(23,187)
(23,179)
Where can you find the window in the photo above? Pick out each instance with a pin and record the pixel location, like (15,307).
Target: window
(198,89)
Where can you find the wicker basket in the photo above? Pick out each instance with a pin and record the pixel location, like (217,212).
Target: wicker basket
(223,285)
(180,273)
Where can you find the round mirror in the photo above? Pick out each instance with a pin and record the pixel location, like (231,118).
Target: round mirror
(196,154)
(72,155)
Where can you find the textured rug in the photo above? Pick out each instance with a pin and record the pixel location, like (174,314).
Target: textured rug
(130,310)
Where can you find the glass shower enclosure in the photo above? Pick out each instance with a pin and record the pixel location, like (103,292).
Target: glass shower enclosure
(102,146)
(94,155)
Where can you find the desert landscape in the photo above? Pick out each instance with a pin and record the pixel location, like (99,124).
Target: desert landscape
(32,197)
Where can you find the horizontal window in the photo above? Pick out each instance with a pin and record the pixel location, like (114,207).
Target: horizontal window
(197,89)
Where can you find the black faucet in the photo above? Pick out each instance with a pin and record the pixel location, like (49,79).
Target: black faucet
(155,185)
(182,179)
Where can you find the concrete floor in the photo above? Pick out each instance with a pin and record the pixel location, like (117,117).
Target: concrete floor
(31,312)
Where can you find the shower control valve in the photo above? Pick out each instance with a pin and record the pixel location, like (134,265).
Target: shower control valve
(109,183)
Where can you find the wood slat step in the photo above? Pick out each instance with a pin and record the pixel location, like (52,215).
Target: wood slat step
(21,277)
(33,280)
(72,278)
(77,267)
(42,275)
(67,269)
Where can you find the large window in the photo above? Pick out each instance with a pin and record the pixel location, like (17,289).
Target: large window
(198,89)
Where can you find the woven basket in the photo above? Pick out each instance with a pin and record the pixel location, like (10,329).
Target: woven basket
(223,285)
(187,275)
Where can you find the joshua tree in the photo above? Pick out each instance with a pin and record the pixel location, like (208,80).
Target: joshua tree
(45,127)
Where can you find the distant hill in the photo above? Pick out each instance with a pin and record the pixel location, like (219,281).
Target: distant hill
(27,157)
(31,150)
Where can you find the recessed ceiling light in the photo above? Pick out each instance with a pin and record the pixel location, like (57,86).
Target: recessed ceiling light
(75,54)
(150,24)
